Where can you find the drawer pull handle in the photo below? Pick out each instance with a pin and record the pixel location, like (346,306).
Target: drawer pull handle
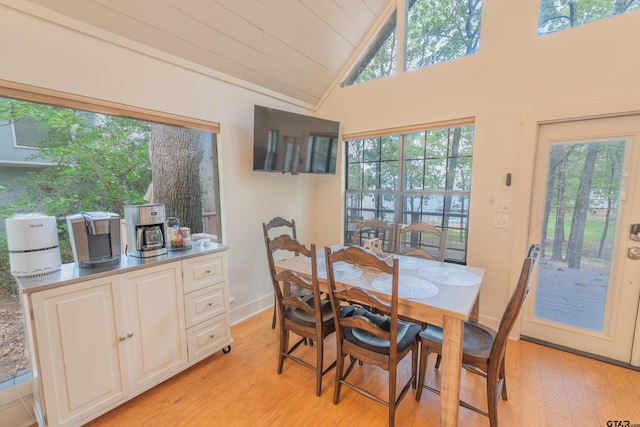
(210,304)
(212,335)
(207,271)
(122,338)
(130,334)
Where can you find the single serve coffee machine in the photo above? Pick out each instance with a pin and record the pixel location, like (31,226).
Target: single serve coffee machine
(146,230)
(95,238)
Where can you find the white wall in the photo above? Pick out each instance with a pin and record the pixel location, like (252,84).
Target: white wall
(515,80)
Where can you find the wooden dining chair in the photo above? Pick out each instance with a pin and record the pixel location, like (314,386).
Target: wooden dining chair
(281,226)
(414,239)
(483,348)
(286,226)
(379,339)
(308,316)
(373,228)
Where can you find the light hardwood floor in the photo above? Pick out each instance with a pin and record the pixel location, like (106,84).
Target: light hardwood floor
(546,387)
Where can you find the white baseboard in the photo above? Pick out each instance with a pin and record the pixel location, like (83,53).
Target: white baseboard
(240,313)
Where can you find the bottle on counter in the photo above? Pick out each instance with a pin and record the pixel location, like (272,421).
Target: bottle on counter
(173,222)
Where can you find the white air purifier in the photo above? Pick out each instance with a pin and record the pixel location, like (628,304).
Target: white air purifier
(33,245)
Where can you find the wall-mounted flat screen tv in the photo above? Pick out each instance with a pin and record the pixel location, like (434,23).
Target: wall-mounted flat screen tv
(293,143)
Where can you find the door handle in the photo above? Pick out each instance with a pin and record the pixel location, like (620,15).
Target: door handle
(633,253)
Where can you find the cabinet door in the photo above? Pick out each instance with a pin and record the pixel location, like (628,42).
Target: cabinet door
(81,356)
(155,323)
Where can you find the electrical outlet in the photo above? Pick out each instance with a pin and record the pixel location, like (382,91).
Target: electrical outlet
(500,221)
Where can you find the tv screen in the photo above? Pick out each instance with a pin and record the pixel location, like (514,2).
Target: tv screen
(295,143)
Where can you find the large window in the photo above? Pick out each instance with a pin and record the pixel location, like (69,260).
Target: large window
(80,161)
(441,30)
(558,15)
(414,176)
(435,31)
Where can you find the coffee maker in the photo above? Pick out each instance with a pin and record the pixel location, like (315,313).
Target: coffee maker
(95,238)
(146,230)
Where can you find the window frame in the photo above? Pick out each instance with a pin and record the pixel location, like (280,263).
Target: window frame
(24,92)
(400,191)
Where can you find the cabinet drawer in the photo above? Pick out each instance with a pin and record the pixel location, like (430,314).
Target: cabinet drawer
(208,337)
(204,271)
(204,304)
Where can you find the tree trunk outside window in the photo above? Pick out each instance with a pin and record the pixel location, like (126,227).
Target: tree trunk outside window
(175,158)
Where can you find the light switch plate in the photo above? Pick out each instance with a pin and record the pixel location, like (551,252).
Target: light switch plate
(503,205)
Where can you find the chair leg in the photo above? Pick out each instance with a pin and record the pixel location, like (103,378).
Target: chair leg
(438,360)
(393,371)
(284,343)
(414,366)
(422,370)
(339,369)
(504,381)
(492,398)
(319,365)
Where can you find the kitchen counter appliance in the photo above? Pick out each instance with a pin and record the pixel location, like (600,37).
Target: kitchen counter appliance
(95,238)
(146,230)
(32,240)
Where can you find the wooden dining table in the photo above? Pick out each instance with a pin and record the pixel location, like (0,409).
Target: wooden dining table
(438,293)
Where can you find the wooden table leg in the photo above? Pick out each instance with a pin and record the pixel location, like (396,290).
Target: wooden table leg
(451,370)
(475,311)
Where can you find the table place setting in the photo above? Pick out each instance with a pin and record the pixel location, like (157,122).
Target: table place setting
(408,286)
(449,275)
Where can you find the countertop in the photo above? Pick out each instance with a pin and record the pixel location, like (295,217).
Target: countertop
(71,273)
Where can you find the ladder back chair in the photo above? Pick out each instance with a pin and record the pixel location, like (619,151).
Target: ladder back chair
(483,349)
(282,226)
(409,240)
(373,228)
(379,339)
(308,316)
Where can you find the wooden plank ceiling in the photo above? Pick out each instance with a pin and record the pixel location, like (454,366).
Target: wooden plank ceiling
(293,48)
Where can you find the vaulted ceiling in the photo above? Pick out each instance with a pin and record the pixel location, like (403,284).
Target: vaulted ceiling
(294,49)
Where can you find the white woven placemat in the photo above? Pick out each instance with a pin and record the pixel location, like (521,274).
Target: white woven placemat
(408,286)
(449,276)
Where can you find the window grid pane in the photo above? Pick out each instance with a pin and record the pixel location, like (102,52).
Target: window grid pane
(436,186)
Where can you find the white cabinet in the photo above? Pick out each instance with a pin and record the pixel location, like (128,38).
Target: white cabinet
(99,342)
(206,305)
(82,362)
(155,329)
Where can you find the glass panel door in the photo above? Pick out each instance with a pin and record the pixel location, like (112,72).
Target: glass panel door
(586,196)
